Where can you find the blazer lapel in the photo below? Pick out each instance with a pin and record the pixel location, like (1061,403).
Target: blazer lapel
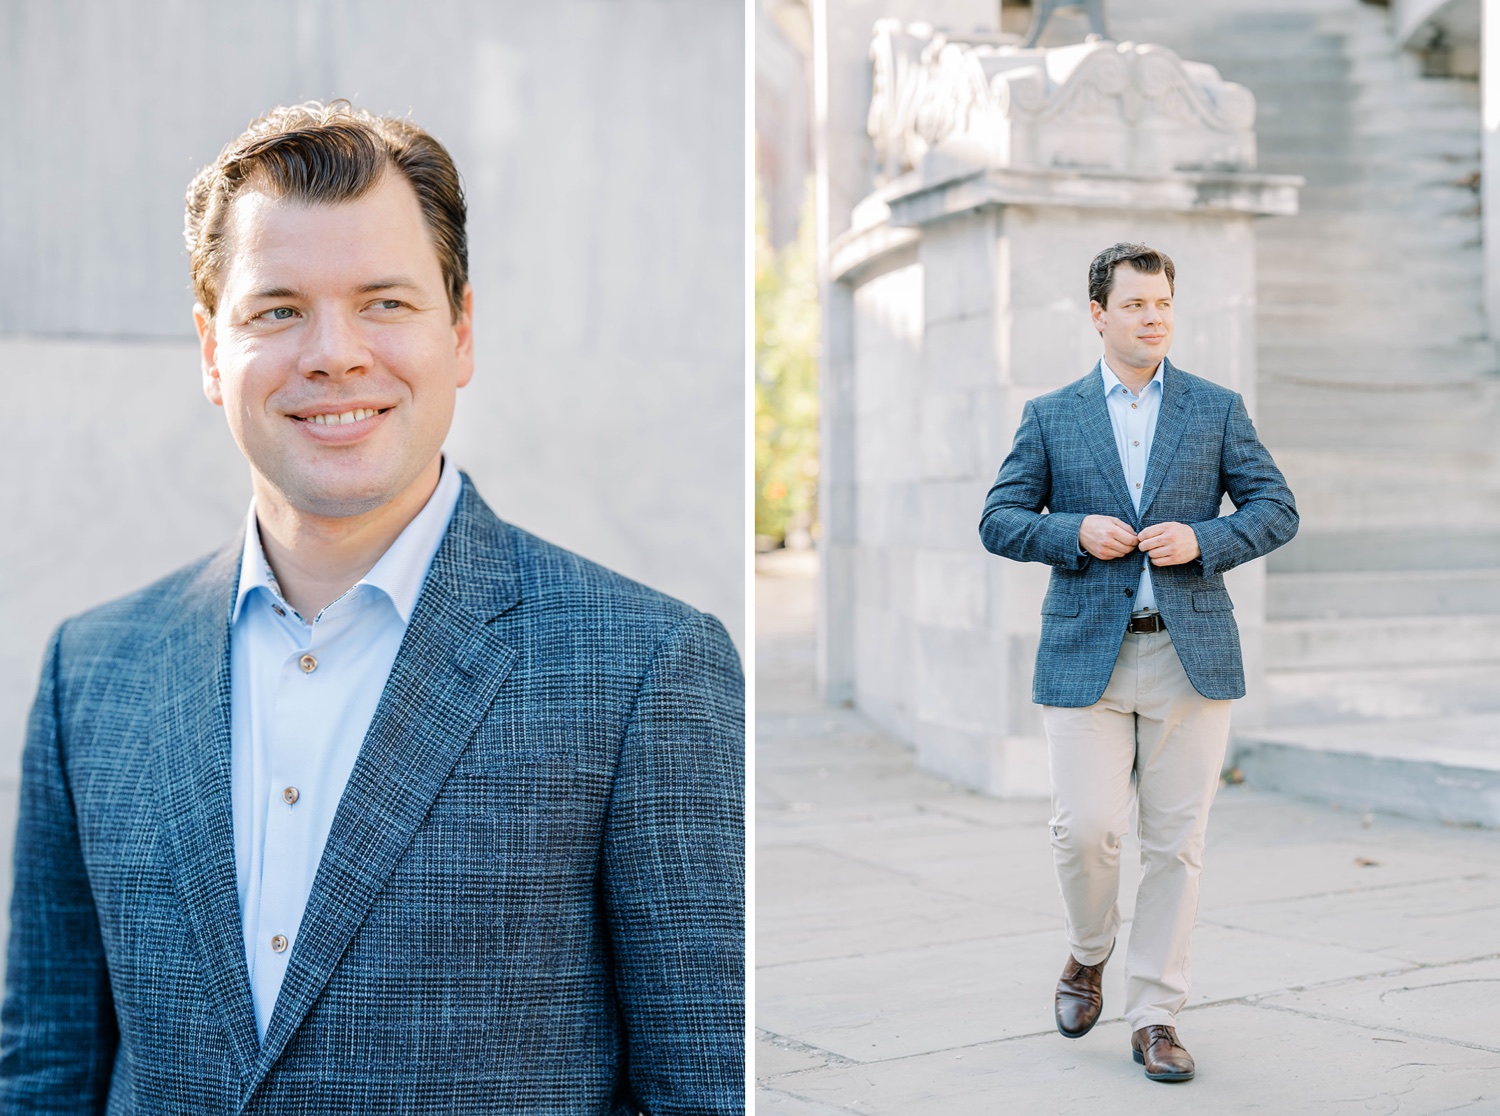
(1099,436)
(1171,421)
(443,681)
(189,672)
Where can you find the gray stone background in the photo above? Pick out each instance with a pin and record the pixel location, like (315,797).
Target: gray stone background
(602,146)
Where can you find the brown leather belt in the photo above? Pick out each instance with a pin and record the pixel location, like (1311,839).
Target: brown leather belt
(1151,622)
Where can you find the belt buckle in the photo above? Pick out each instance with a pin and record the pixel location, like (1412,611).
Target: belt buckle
(1146,623)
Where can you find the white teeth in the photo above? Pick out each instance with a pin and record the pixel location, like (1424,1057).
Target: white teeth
(345,418)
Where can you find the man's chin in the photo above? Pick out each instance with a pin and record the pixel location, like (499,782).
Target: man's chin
(336,501)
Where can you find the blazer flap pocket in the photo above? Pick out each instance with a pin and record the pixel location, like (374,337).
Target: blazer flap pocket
(1212,600)
(1055,604)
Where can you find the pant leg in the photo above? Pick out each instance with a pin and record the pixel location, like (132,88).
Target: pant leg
(1181,739)
(1091,755)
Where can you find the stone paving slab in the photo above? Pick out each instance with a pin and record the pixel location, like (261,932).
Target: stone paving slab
(1456,1003)
(1430,923)
(1250,1060)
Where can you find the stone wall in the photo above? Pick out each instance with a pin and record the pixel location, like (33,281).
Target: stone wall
(607,240)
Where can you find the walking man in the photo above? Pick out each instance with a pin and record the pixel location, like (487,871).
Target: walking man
(1115,481)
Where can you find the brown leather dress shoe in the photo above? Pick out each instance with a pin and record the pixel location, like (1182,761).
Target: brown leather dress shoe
(1079,997)
(1156,1047)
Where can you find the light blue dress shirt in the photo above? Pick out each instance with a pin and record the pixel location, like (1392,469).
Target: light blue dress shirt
(302,698)
(1134,420)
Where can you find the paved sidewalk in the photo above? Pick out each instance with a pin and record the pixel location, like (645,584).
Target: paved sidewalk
(908,937)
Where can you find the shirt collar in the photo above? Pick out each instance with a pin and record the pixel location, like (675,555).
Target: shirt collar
(1111,381)
(400,571)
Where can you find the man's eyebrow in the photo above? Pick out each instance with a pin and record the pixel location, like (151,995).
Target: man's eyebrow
(387,284)
(275,292)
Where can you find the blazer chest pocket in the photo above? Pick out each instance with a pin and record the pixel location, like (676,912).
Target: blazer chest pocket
(1212,600)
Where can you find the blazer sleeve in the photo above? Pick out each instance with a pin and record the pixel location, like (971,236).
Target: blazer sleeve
(57,1027)
(1265,514)
(1014,523)
(674,877)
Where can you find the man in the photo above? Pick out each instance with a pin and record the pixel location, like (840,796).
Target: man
(388,806)
(1116,481)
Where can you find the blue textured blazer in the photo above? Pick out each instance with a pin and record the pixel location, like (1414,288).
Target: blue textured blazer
(1064,466)
(531,900)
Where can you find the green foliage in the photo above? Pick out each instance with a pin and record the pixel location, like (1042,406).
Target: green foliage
(786,379)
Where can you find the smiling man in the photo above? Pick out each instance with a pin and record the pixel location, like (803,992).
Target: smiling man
(388,806)
(1116,481)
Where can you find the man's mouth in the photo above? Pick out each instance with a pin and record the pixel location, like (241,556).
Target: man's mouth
(343,418)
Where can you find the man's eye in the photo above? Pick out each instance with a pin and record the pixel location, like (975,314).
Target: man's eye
(388,304)
(278,314)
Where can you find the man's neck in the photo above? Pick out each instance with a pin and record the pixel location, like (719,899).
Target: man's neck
(1134,379)
(316,559)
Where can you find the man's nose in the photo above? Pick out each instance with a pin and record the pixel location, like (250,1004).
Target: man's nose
(333,345)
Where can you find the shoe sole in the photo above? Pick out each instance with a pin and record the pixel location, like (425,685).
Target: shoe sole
(1140,1060)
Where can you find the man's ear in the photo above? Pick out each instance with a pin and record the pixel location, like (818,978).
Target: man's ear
(1097,313)
(463,337)
(208,346)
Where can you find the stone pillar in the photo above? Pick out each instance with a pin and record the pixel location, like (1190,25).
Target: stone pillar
(846,173)
(1489,200)
(967,278)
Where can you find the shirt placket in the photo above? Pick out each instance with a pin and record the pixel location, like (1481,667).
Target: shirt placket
(284,857)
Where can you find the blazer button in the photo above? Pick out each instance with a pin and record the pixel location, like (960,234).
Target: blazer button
(308,664)
(1130,592)
(290,796)
(278,943)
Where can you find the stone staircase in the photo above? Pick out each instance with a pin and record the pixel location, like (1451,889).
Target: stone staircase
(1379,396)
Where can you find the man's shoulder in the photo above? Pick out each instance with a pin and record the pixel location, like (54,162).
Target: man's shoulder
(1060,398)
(1203,387)
(560,587)
(136,620)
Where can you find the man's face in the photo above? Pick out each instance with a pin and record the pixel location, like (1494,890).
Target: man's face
(334,352)
(1137,326)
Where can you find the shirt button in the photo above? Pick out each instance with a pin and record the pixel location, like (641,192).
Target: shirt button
(308,664)
(290,796)
(1132,406)
(278,943)
(278,610)
(1135,443)
(1137,484)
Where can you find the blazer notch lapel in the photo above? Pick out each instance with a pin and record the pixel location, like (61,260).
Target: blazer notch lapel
(189,669)
(1099,436)
(445,678)
(1171,422)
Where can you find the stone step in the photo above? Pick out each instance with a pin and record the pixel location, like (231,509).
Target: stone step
(1366,270)
(1383,593)
(1310,697)
(1383,642)
(1311,323)
(1434,234)
(1434,768)
(1316,283)
(1319,550)
(1462,369)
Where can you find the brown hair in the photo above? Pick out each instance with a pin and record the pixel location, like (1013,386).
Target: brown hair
(1148,261)
(319,153)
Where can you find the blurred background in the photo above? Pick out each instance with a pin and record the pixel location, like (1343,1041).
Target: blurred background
(602,146)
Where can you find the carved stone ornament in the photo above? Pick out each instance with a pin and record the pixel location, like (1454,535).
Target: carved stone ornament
(1097,106)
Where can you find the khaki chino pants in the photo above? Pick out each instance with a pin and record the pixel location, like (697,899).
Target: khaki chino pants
(1153,740)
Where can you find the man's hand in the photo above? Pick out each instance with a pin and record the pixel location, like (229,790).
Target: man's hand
(1169,544)
(1104,536)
